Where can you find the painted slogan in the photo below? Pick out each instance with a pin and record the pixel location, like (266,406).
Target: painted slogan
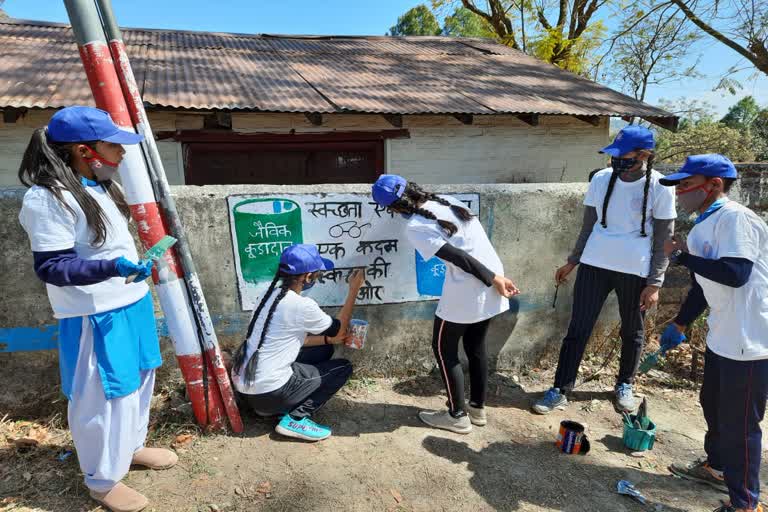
(349,229)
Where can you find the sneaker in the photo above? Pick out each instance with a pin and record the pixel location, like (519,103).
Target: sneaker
(477,415)
(552,399)
(445,421)
(625,398)
(121,498)
(304,428)
(700,471)
(155,458)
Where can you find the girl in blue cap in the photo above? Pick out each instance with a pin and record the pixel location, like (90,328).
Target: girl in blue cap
(475,290)
(627,216)
(284,366)
(76,218)
(727,254)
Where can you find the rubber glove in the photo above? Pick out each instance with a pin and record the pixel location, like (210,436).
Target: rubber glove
(671,338)
(142,269)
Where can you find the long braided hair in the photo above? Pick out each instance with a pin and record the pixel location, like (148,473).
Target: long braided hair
(646,189)
(238,360)
(414,196)
(49,165)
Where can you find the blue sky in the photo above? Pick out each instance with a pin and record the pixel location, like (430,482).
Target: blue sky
(355,17)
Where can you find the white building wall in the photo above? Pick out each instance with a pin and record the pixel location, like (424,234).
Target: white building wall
(440,150)
(499,149)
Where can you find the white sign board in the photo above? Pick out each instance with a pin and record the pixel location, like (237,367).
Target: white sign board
(349,229)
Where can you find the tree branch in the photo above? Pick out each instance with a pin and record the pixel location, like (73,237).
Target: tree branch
(752,57)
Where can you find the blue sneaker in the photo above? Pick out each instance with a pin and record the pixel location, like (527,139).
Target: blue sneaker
(304,428)
(552,399)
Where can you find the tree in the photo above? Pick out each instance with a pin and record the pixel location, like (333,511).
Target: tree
(760,129)
(563,32)
(705,137)
(465,23)
(742,25)
(418,21)
(743,114)
(650,52)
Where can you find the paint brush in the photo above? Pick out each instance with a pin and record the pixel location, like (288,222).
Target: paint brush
(650,361)
(155,253)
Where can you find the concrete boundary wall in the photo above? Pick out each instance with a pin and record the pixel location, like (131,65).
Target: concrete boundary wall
(532,226)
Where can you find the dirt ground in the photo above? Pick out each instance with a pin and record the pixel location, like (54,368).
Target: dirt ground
(380,458)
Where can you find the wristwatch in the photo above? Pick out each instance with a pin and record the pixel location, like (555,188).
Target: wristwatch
(675,254)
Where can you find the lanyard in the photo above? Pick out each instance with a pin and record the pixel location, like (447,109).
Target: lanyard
(712,209)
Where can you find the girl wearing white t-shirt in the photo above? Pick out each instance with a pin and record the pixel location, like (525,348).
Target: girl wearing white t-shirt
(285,367)
(76,220)
(475,290)
(628,214)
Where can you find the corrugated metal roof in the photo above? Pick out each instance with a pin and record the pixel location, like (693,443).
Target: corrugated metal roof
(220,71)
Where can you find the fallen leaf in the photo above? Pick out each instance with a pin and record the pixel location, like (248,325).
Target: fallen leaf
(183,441)
(27,476)
(398,497)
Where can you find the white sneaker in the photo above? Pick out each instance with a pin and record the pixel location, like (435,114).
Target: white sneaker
(444,420)
(477,415)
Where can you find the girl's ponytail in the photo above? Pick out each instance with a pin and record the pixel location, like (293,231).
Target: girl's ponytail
(413,198)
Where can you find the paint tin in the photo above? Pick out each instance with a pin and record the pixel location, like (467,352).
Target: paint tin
(572,439)
(264,228)
(359,331)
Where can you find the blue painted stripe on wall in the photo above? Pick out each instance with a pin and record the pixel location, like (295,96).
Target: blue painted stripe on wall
(25,339)
(22,339)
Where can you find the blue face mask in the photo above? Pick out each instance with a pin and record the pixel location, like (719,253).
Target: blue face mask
(309,284)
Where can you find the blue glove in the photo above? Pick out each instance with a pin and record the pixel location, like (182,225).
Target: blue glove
(671,338)
(142,269)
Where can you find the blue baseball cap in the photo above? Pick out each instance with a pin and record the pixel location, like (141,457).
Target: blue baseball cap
(711,165)
(81,124)
(630,138)
(388,189)
(303,259)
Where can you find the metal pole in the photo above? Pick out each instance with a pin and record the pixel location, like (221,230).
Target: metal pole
(211,351)
(134,175)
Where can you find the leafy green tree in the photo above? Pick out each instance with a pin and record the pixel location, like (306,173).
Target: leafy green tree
(705,137)
(760,132)
(743,114)
(465,23)
(418,21)
(565,33)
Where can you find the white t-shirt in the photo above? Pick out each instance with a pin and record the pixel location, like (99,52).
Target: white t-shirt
(294,317)
(51,227)
(465,299)
(619,247)
(738,317)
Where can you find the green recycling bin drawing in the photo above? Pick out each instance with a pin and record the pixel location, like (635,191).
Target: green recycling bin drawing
(264,228)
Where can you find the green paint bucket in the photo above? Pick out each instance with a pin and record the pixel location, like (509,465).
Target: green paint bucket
(264,228)
(639,439)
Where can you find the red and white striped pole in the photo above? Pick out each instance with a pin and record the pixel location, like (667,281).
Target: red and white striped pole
(212,400)
(132,95)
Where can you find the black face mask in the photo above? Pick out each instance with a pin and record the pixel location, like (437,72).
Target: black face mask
(623,164)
